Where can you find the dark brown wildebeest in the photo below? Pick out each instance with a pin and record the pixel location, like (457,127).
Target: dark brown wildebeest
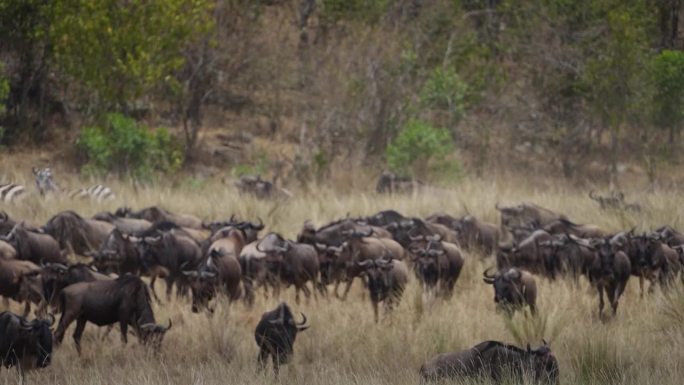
(12,272)
(77,235)
(476,234)
(221,271)
(567,254)
(391,183)
(250,230)
(7,251)
(54,277)
(260,188)
(527,255)
(513,289)
(156,214)
(275,336)
(663,260)
(670,236)
(610,271)
(564,226)
(386,282)
(25,344)
(35,247)
(437,266)
(118,254)
(125,225)
(384,218)
(336,233)
(496,361)
(295,263)
(171,253)
(444,219)
(255,273)
(124,300)
(527,213)
(334,262)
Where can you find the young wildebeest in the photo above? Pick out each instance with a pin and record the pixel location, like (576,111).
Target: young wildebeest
(124,300)
(513,289)
(610,271)
(494,360)
(25,344)
(275,335)
(386,282)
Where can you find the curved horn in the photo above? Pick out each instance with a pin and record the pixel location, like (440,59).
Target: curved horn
(166,329)
(488,278)
(192,274)
(514,274)
(304,324)
(260,226)
(365,263)
(417,238)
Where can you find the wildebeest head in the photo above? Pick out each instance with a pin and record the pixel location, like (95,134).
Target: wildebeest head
(377,275)
(149,332)
(29,341)
(113,251)
(276,332)
(203,283)
(544,365)
(605,257)
(333,261)
(384,218)
(250,230)
(44,180)
(508,286)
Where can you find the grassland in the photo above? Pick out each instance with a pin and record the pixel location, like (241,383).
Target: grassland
(644,344)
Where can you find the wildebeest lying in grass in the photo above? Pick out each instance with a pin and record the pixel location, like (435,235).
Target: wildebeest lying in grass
(496,361)
(275,335)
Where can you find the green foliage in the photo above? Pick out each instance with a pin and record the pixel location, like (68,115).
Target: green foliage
(257,166)
(420,149)
(668,76)
(121,145)
(362,10)
(445,90)
(123,50)
(4,91)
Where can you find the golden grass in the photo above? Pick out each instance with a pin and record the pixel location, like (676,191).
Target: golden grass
(644,344)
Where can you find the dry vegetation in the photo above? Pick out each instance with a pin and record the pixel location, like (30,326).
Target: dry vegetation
(642,345)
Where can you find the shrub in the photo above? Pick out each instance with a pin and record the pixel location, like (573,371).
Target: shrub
(445,90)
(421,148)
(123,146)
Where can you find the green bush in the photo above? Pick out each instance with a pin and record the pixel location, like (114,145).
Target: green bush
(363,10)
(668,76)
(445,90)
(123,146)
(422,149)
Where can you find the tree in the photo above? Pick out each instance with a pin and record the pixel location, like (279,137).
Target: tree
(668,101)
(122,50)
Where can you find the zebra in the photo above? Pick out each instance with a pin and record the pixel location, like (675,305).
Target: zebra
(11,192)
(46,184)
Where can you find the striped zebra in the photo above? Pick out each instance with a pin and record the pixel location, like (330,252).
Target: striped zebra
(11,192)
(46,184)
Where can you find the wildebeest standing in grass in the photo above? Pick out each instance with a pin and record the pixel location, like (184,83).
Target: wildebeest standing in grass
(35,247)
(25,344)
(386,282)
(275,336)
(476,234)
(495,361)
(124,300)
(295,263)
(526,255)
(610,271)
(118,254)
(513,289)
(76,234)
(438,265)
(220,272)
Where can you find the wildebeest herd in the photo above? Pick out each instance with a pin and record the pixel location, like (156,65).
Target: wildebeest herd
(231,258)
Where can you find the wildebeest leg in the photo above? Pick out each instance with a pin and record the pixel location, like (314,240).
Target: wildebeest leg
(123,327)
(276,364)
(169,287)
(64,322)
(375,311)
(80,326)
(641,286)
(611,292)
(261,359)
(27,308)
(337,286)
(347,288)
(599,287)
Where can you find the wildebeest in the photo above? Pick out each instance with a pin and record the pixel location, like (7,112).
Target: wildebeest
(12,272)
(35,247)
(275,336)
(260,188)
(614,201)
(118,254)
(125,225)
(249,230)
(609,271)
(496,361)
(7,251)
(474,233)
(391,183)
(76,234)
(25,344)
(221,272)
(54,277)
(156,214)
(564,226)
(172,253)
(124,300)
(526,255)
(513,289)
(670,236)
(6,223)
(295,263)
(526,213)
(255,272)
(567,254)
(386,282)
(438,265)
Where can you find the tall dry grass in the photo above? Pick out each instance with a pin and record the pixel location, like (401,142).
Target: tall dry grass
(644,344)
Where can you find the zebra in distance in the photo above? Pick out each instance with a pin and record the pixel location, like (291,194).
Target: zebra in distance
(46,184)
(11,192)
